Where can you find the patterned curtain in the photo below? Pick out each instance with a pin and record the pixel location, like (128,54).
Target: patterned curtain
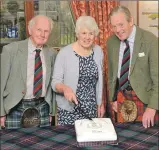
(29,13)
(99,10)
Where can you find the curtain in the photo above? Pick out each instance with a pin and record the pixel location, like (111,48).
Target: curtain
(98,10)
(29,13)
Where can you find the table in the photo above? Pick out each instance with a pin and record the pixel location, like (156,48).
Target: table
(131,136)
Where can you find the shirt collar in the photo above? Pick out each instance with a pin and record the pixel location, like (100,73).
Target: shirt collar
(131,38)
(32,47)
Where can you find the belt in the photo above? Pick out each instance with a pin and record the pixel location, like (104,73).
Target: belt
(33,99)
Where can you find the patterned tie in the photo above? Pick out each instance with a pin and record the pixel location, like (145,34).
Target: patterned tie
(38,75)
(123,81)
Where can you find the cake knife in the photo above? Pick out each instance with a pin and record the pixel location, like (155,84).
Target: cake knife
(83,113)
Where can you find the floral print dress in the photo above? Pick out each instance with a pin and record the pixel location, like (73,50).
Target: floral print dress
(85,93)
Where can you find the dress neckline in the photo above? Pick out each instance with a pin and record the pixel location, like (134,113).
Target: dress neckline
(91,54)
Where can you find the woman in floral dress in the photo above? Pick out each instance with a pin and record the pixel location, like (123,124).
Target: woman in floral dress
(78,75)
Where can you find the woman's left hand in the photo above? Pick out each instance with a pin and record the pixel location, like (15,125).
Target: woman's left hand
(101,111)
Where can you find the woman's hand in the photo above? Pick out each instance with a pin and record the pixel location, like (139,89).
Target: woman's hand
(101,110)
(115,106)
(70,95)
(67,92)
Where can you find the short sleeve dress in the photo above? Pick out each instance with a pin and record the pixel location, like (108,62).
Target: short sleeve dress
(85,93)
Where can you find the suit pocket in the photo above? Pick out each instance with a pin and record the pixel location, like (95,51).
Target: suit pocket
(142,61)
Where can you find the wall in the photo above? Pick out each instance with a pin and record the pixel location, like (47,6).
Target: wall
(132,6)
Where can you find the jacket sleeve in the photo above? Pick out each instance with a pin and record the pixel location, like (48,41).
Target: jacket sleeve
(99,87)
(5,70)
(53,102)
(58,72)
(110,72)
(153,62)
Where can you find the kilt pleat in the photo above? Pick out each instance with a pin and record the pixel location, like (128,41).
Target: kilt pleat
(13,119)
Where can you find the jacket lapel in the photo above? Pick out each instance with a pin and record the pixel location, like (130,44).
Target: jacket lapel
(116,57)
(136,49)
(23,58)
(23,48)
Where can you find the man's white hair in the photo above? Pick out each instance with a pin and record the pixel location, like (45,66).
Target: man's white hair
(32,21)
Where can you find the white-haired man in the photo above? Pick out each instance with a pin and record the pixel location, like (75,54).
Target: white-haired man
(26,70)
(132,70)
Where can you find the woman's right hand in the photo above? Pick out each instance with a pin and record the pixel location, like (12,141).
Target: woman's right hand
(70,95)
(67,92)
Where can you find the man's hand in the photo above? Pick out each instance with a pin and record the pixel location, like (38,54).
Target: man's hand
(2,121)
(70,95)
(114,106)
(148,117)
(101,111)
(50,118)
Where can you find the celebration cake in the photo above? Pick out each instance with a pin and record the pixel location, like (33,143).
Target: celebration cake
(95,132)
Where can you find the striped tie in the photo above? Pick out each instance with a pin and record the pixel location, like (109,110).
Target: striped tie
(38,75)
(123,81)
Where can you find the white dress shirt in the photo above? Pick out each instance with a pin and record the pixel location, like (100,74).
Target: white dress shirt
(30,71)
(131,40)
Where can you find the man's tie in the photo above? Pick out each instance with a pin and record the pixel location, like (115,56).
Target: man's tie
(123,81)
(38,75)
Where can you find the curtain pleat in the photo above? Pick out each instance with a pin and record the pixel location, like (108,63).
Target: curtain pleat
(29,13)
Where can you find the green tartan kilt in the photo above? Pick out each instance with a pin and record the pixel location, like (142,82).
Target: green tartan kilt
(13,119)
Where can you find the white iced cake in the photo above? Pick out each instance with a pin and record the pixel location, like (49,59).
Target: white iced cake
(97,129)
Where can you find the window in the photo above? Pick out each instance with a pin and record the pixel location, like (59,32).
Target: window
(13,28)
(63,32)
(12,25)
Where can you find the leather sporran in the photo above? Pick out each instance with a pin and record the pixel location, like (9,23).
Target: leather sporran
(129,110)
(30,118)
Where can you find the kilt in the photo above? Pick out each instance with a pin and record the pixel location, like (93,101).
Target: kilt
(130,95)
(13,119)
